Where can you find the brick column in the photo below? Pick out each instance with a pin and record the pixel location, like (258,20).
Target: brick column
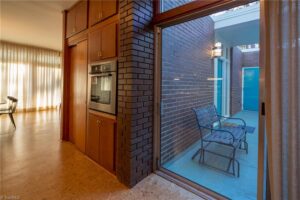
(135,92)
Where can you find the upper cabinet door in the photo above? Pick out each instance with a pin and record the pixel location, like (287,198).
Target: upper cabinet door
(109,41)
(95,45)
(95,12)
(71,29)
(101,9)
(77,18)
(81,16)
(109,8)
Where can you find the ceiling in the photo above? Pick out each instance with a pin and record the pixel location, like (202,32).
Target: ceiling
(239,34)
(238,27)
(35,22)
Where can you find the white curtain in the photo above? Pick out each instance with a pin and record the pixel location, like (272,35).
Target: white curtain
(281,52)
(32,75)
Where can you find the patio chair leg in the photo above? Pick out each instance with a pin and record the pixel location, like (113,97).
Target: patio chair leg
(12,119)
(229,164)
(246,146)
(233,162)
(238,166)
(201,159)
(199,150)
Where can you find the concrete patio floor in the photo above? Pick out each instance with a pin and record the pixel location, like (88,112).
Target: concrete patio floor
(232,187)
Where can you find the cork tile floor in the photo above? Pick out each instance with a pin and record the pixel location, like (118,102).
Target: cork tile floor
(242,188)
(35,165)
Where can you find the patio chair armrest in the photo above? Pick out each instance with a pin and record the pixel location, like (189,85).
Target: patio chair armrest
(235,118)
(221,130)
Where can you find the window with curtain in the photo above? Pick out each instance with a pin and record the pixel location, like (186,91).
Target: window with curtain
(31,74)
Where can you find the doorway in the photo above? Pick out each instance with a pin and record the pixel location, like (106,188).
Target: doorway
(250,88)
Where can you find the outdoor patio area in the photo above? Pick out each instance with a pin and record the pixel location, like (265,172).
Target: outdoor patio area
(243,187)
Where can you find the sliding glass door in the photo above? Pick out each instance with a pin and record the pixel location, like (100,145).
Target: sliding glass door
(206,134)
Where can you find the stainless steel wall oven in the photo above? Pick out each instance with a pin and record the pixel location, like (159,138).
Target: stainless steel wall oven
(102,86)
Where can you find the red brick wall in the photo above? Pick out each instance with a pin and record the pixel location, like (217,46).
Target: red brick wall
(135,92)
(251,59)
(236,80)
(186,51)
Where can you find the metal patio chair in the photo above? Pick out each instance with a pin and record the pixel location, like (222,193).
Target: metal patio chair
(9,108)
(213,130)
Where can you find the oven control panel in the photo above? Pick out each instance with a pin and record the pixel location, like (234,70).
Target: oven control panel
(103,67)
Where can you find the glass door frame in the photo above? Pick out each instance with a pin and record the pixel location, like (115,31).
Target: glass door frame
(225,75)
(183,14)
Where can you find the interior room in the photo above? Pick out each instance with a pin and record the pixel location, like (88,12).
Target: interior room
(149,99)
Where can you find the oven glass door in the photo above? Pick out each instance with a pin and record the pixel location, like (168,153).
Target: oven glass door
(101,89)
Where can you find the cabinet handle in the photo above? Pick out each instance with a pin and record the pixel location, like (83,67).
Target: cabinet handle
(74,30)
(100,15)
(100,53)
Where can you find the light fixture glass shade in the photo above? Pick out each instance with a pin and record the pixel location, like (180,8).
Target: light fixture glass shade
(217,50)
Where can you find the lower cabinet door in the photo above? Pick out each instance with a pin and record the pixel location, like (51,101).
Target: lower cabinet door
(107,144)
(93,138)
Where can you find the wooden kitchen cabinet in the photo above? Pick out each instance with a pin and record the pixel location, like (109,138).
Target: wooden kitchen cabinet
(107,150)
(100,10)
(100,144)
(93,137)
(103,42)
(95,45)
(70,26)
(77,18)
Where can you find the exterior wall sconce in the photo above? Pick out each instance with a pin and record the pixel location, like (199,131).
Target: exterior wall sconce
(216,50)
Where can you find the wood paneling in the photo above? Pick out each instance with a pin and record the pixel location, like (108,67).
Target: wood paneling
(64,107)
(78,94)
(75,39)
